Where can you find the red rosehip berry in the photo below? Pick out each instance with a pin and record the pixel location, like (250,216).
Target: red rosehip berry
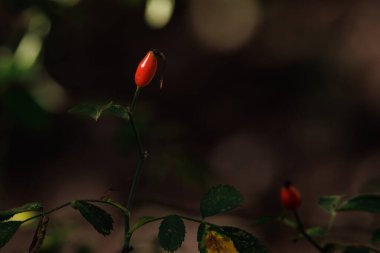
(147,68)
(290,197)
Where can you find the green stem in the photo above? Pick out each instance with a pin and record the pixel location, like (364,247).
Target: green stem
(301,229)
(134,228)
(137,137)
(134,99)
(329,225)
(48,212)
(137,173)
(108,202)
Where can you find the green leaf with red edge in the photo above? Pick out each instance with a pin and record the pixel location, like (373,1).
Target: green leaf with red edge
(364,203)
(171,233)
(7,214)
(97,217)
(220,199)
(7,230)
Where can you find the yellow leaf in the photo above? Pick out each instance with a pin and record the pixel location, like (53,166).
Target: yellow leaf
(217,243)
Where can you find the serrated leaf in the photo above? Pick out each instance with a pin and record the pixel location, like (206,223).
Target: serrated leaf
(330,203)
(355,249)
(363,203)
(212,239)
(7,230)
(264,220)
(97,217)
(220,199)
(7,214)
(171,233)
(94,111)
(142,221)
(118,111)
(200,238)
(244,241)
(375,237)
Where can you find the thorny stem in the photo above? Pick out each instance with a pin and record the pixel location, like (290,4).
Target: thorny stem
(301,229)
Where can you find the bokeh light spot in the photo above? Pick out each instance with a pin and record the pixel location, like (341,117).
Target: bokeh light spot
(224,25)
(158,12)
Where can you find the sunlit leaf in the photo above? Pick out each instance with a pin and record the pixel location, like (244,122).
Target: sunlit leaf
(97,217)
(7,214)
(171,233)
(364,203)
(220,199)
(330,203)
(244,241)
(7,230)
(215,239)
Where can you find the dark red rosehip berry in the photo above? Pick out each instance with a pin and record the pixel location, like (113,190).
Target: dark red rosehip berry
(290,197)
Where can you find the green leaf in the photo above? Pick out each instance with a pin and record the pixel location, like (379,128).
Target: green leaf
(220,199)
(330,203)
(7,230)
(244,241)
(7,214)
(200,238)
(375,237)
(97,217)
(142,221)
(316,231)
(94,111)
(171,233)
(356,249)
(288,222)
(364,203)
(264,220)
(118,111)
(313,232)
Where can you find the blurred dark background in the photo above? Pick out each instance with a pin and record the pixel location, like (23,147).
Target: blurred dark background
(255,92)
